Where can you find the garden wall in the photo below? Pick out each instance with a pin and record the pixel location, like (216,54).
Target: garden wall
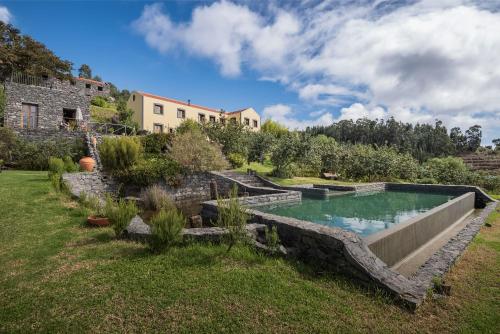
(41,135)
(93,183)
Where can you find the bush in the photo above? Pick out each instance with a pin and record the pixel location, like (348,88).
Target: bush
(92,204)
(120,152)
(285,153)
(34,156)
(100,102)
(187,126)
(193,151)
(8,144)
(233,217)
(150,171)
(449,170)
(166,229)
(156,143)
(56,167)
(69,165)
(156,198)
(236,160)
(119,213)
(272,238)
(56,181)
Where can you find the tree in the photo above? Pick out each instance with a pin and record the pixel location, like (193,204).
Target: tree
(473,135)
(97,78)
(85,72)
(274,128)
(21,53)
(496,142)
(458,140)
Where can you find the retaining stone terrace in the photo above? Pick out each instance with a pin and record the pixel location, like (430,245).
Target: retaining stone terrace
(306,190)
(51,99)
(94,183)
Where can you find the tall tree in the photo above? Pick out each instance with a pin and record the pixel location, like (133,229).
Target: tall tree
(21,53)
(85,71)
(474,135)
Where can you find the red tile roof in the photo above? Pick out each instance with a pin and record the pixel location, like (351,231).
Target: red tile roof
(187,104)
(98,83)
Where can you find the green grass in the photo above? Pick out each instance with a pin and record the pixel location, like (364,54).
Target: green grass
(58,275)
(100,114)
(267,167)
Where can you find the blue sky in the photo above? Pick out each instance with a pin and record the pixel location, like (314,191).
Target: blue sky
(300,63)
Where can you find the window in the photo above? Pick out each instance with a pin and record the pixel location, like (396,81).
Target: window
(247,121)
(158,109)
(232,120)
(29,116)
(255,123)
(201,118)
(171,130)
(181,113)
(212,119)
(99,88)
(223,121)
(133,97)
(87,86)
(157,128)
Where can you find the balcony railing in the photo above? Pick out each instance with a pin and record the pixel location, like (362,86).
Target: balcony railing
(72,124)
(26,79)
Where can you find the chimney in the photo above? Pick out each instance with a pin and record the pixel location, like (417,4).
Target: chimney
(189,102)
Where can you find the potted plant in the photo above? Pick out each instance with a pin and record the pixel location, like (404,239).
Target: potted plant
(96,213)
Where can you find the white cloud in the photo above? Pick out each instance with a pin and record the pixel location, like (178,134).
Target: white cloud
(357,110)
(5,15)
(284,114)
(420,60)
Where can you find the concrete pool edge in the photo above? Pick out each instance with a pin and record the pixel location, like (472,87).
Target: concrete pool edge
(395,243)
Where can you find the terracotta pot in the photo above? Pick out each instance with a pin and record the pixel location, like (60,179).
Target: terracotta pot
(87,164)
(97,221)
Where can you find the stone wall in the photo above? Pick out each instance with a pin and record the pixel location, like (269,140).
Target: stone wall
(306,190)
(40,135)
(93,183)
(51,97)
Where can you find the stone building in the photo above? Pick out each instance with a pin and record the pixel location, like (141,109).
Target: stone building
(37,103)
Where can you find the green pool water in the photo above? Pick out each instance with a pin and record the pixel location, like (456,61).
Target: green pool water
(364,213)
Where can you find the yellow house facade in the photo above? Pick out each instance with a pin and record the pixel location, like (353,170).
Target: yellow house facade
(159,114)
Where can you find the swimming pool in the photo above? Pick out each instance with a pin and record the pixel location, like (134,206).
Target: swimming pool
(362,213)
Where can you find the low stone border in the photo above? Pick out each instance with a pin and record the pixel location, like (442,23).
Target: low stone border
(306,190)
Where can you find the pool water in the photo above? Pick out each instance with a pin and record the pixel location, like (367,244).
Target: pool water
(363,213)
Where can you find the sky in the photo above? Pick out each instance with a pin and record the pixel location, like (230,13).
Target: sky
(301,63)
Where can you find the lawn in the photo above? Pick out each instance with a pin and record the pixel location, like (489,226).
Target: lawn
(267,167)
(103,115)
(60,276)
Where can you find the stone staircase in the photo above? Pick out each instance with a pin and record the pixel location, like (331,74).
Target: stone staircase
(93,152)
(249,180)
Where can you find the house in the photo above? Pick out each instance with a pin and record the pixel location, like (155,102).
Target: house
(48,103)
(161,114)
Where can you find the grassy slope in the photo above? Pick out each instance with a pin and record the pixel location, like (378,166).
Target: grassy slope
(264,169)
(58,275)
(100,114)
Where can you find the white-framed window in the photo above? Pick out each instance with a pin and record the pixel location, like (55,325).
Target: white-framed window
(158,109)
(29,116)
(157,128)
(181,113)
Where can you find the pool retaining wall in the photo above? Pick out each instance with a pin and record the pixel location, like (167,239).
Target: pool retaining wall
(394,244)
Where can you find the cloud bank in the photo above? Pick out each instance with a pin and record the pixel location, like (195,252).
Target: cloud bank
(416,61)
(5,15)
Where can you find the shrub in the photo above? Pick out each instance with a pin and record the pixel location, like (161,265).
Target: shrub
(93,204)
(150,171)
(166,229)
(236,160)
(272,238)
(120,152)
(56,167)
(119,213)
(233,217)
(449,170)
(194,152)
(56,181)
(100,102)
(69,165)
(187,126)
(8,144)
(156,198)
(156,143)
(285,153)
